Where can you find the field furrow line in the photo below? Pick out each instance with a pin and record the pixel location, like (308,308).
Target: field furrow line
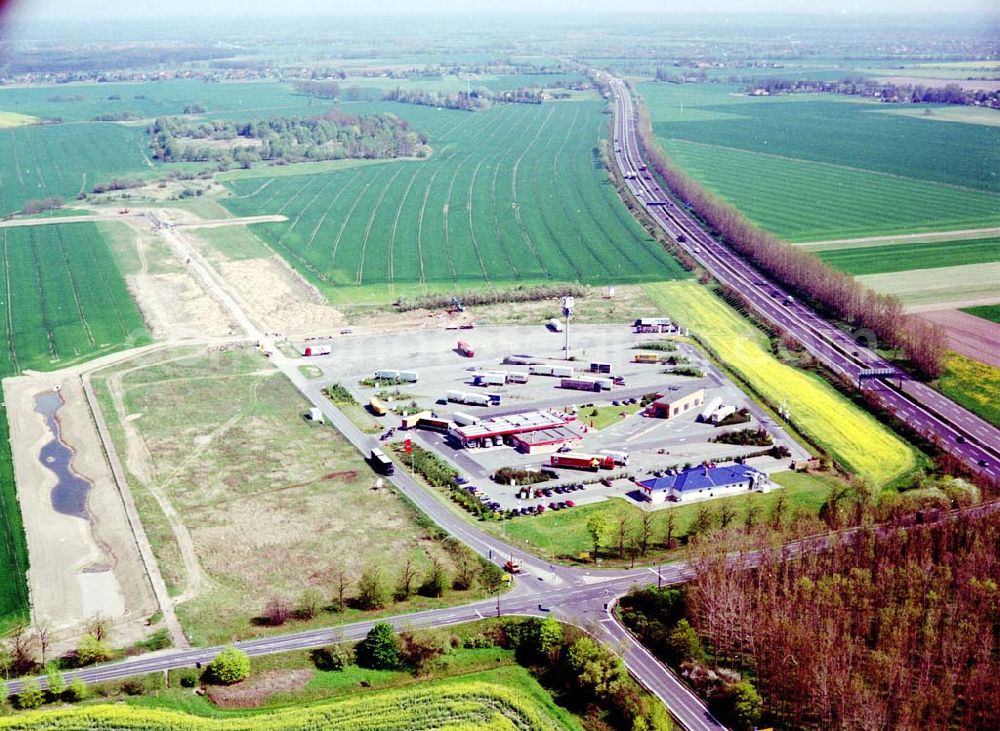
(472,229)
(74,288)
(517,206)
(444,215)
(278,190)
(13,152)
(420,219)
(259,189)
(53,351)
(309,179)
(10,307)
(306,207)
(34,156)
(371,220)
(343,224)
(319,224)
(395,225)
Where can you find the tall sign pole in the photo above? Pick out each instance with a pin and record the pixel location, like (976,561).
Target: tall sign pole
(568,303)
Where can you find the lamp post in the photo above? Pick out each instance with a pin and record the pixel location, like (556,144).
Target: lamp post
(568,303)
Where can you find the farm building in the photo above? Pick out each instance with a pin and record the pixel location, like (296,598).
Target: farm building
(677,402)
(504,428)
(701,483)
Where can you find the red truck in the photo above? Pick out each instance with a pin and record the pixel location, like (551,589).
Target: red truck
(579,461)
(311,350)
(465,349)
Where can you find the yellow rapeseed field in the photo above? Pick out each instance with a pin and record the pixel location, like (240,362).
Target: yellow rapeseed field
(973,384)
(15,119)
(459,707)
(851,435)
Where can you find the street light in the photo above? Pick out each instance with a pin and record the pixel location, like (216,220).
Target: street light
(568,303)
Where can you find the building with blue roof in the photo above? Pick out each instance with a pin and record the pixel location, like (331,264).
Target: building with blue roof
(704,482)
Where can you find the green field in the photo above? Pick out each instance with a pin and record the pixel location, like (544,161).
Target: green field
(64,159)
(512,195)
(822,167)
(62,300)
(903,257)
(987,312)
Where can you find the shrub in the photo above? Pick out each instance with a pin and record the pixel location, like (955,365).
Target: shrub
(56,682)
(92,650)
(372,592)
(380,649)
(229,666)
(188,678)
(277,611)
(133,686)
(332,658)
(31,695)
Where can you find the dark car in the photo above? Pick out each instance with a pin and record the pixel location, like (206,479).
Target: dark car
(960,439)
(982,463)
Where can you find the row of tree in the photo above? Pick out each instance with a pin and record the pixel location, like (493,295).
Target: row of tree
(470,101)
(885,91)
(332,136)
(885,629)
(841,295)
(376,589)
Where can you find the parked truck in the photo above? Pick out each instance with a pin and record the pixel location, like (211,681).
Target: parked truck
(408,376)
(581,384)
(382,464)
(619,457)
(490,378)
(463,419)
(579,461)
(313,350)
(473,399)
(554,325)
(377,406)
(558,371)
(386,375)
(465,349)
(599,367)
(645,358)
(517,376)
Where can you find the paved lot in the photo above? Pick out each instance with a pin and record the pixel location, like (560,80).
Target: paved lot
(653,444)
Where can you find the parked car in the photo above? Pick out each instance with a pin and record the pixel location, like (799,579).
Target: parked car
(606,481)
(570,504)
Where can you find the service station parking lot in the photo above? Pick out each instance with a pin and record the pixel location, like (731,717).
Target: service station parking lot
(653,444)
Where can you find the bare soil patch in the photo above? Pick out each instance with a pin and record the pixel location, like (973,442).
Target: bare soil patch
(256,691)
(79,567)
(971,336)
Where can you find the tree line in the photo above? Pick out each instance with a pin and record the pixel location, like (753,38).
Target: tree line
(838,294)
(885,91)
(331,136)
(470,101)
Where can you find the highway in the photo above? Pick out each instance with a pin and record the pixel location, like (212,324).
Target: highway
(974,441)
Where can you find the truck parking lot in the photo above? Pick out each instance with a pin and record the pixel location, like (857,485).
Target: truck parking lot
(450,386)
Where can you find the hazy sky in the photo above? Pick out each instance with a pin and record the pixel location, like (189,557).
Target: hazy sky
(21,10)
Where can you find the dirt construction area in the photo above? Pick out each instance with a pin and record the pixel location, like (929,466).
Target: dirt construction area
(969,335)
(84,564)
(243,498)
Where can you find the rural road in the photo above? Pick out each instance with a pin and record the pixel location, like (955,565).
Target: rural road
(973,440)
(137,213)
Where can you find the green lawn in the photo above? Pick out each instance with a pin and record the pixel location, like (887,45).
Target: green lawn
(62,300)
(987,312)
(563,535)
(512,195)
(903,257)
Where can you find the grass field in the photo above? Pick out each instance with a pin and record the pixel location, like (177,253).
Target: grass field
(940,287)
(903,257)
(515,194)
(987,312)
(851,435)
(563,535)
(811,168)
(218,454)
(65,159)
(62,300)
(974,385)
